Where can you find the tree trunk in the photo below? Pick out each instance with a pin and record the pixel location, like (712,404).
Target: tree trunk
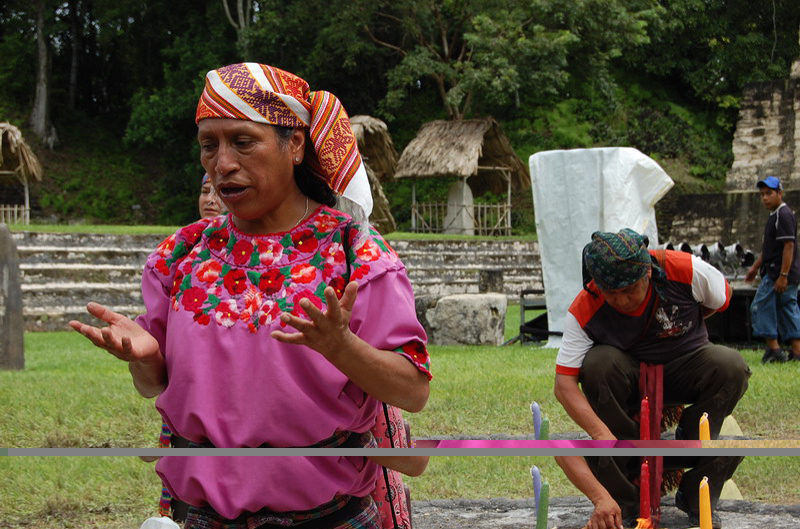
(40,116)
(73,66)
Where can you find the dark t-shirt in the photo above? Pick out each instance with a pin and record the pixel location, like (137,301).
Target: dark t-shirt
(781,227)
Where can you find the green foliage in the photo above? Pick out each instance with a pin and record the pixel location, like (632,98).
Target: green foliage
(17,68)
(664,77)
(163,117)
(98,181)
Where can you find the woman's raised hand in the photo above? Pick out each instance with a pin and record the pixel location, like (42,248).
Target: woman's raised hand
(122,337)
(326,332)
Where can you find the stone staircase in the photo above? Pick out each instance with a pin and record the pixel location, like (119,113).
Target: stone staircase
(61,272)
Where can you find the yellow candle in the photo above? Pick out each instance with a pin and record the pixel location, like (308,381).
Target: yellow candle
(705,429)
(705,505)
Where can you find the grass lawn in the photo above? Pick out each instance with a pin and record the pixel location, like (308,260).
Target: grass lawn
(74,395)
(117,229)
(121,492)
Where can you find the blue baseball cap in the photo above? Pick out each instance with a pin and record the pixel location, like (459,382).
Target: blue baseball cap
(772,182)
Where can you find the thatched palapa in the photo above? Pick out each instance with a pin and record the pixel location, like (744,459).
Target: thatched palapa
(16,156)
(375,145)
(475,149)
(380,159)
(18,163)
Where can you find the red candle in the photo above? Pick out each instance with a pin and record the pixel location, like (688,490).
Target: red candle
(644,420)
(644,492)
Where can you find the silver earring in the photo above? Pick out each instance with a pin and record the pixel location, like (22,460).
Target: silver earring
(296,159)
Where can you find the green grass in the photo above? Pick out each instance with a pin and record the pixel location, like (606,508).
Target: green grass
(116,229)
(74,395)
(121,492)
(119,229)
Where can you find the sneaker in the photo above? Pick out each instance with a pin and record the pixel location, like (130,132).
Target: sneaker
(694,518)
(793,357)
(774,355)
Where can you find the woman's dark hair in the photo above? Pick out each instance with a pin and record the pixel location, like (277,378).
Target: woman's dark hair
(310,185)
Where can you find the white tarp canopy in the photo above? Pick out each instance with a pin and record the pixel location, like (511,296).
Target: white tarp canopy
(580,191)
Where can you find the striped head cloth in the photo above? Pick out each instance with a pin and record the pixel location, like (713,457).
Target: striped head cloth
(616,260)
(265,94)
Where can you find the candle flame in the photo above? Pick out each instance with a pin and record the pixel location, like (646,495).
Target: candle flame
(644,523)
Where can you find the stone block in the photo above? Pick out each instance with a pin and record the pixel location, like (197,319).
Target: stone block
(12,325)
(468,319)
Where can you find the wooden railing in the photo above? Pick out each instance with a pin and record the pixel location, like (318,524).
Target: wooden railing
(487,219)
(15,214)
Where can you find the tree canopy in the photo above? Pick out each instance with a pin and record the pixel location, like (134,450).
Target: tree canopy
(556,73)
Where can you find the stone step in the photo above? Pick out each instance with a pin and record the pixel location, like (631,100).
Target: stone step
(62,271)
(86,240)
(70,294)
(36,273)
(57,318)
(89,254)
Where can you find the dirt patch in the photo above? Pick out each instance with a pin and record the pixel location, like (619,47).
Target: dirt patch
(573,512)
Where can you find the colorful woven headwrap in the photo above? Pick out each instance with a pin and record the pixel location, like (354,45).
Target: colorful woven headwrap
(264,94)
(616,260)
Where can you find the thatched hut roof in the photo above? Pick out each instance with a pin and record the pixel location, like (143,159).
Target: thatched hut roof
(375,145)
(472,149)
(16,156)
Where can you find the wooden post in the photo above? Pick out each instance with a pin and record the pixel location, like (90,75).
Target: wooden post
(12,325)
(414,205)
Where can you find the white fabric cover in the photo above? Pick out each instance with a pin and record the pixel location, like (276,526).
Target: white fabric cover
(580,191)
(159,523)
(356,200)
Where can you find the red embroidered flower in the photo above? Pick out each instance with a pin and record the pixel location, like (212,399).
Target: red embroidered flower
(417,352)
(327,271)
(304,294)
(333,254)
(202,318)
(219,239)
(193,299)
(304,273)
(235,281)
(304,241)
(226,314)
(268,252)
(251,328)
(325,223)
(166,246)
(369,251)
(176,283)
(271,282)
(360,272)
(161,266)
(338,284)
(241,252)
(252,300)
(269,312)
(193,232)
(208,271)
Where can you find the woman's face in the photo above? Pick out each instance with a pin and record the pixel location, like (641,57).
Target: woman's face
(209,203)
(251,168)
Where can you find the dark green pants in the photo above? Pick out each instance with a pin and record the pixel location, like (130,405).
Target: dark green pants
(617,475)
(711,379)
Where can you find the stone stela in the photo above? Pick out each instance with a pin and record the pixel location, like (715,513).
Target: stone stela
(12,326)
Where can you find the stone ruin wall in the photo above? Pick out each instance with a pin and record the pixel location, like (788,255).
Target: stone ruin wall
(766,142)
(724,217)
(767,137)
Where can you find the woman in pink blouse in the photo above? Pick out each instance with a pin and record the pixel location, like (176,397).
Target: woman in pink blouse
(285,323)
